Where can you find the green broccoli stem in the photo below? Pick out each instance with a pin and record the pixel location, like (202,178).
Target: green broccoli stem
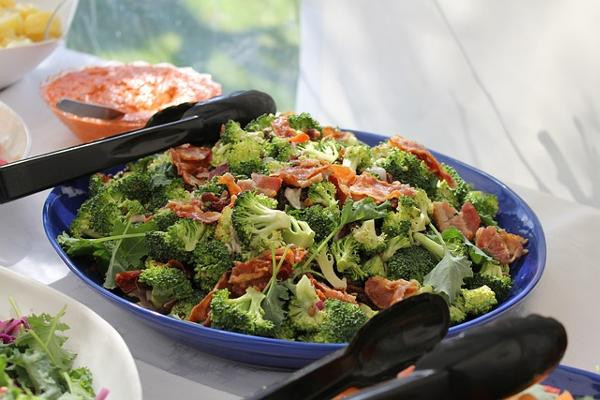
(436,249)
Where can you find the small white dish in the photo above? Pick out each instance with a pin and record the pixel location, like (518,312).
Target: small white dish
(15,140)
(15,62)
(97,344)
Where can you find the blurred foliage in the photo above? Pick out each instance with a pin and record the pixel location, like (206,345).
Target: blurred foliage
(242,44)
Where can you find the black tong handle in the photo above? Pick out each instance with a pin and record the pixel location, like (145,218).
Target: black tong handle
(199,124)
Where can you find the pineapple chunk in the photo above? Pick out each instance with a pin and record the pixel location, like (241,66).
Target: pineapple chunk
(7,3)
(11,24)
(35,25)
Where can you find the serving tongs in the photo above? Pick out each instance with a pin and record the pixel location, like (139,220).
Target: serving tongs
(197,123)
(489,362)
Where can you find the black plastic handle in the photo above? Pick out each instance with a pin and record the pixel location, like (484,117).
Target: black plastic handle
(199,124)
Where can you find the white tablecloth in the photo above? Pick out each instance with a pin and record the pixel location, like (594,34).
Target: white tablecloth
(168,369)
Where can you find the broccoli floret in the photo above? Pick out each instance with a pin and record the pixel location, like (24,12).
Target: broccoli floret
(347,258)
(279,149)
(243,314)
(342,321)
(407,168)
(241,150)
(256,221)
(261,123)
(393,245)
(299,233)
(225,231)
(457,311)
(455,241)
(81,225)
(212,186)
(486,205)
(322,220)
(285,330)
(97,184)
(182,308)
(407,218)
(325,262)
(108,210)
(168,284)
(462,188)
(369,242)
(479,300)
(187,232)
(161,164)
(326,150)
(232,132)
(164,218)
(412,262)
(374,266)
(358,157)
(211,259)
(135,186)
(163,247)
(491,275)
(322,193)
(304,314)
(171,190)
(303,122)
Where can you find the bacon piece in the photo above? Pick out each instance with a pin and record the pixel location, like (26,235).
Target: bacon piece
(257,271)
(201,311)
(218,170)
(421,152)
(341,177)
(281,127)
(213,202)
(193,210)
(246,184)
(192,162)
(367,185)
(383,292)
(229,181)
(303,173)
(127,280)
(445,216)
(325,292)
(335,133)
(501,245)
(267,185)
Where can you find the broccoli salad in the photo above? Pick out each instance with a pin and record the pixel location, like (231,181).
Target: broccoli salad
(290,230)
(34,365)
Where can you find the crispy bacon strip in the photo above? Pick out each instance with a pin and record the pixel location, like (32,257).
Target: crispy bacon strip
(201,311)
(192,162)
(257,271)
(267,185)
(193,210)
(341,177)
(501,245)
(335,133)
(281,127)
(127,280)
(303,173)
(367,185)
(421,152)
(467,220)
(383,292)
(213,202)
(325,292)
(228,180)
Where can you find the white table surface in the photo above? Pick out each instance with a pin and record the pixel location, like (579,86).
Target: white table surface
(568,290)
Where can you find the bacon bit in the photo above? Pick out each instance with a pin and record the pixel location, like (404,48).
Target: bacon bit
(299,138)
(213,202)
(421,152)
(191,162)
(228,180)
(384,293)
(201,311)
(501,245)
(127,280)
(341,177)
(367,185)
(281,127)
(267,185)
(313,134)
(245,184)
(335,133)
(325,292)
(257,271)
(303,173)
(193,210)
(104,177)
(445,216)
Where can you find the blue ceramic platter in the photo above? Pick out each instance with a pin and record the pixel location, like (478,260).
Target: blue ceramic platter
(577,381)
(515,216)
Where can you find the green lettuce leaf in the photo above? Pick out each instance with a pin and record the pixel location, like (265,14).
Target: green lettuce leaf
(448,275)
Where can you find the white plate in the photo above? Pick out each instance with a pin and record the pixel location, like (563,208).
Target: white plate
(15,141)
(97,344)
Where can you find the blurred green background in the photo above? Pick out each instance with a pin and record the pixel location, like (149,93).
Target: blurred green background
(243,44)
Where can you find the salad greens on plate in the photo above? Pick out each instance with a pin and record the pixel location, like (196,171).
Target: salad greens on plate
(291,230)
(35,365)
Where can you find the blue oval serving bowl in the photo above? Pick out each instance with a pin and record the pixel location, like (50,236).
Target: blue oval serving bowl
(515,216)
(577,381)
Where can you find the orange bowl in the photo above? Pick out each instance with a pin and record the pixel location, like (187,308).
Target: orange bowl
(138,89)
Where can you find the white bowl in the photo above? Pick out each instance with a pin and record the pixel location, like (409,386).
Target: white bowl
(15,62)
(97,344)
(15,140)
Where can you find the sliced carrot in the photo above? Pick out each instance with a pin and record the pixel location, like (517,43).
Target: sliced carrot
(299,138)
(229,181)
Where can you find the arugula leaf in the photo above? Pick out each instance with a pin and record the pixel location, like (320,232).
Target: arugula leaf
(85,248)
(276,293)
(44,336)
(127,253)
(362,210)
(448,275)
(35,370)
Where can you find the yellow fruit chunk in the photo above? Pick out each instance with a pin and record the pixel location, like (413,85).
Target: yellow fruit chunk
(11,25)
(7,3)
(35,25)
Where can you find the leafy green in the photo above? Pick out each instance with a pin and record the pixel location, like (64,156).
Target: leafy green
(276,294)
